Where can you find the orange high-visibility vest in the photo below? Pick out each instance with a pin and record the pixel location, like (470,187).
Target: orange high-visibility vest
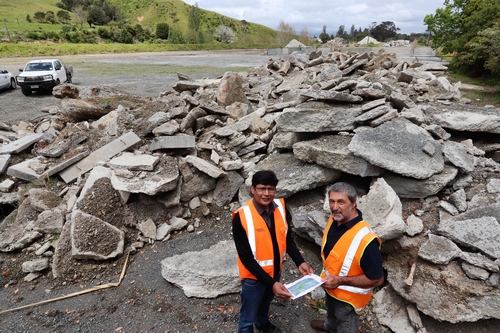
(345,260)
(259,237)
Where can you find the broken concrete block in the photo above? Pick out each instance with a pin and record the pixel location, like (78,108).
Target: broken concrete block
(137,162)
(205,166)
(171,142)
(111,149)
(93,238)
(4,162)
(49,222)
(162,179)
(21,144)
(35,265)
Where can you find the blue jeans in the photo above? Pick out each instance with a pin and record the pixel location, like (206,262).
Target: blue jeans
(341,317)
(255,301)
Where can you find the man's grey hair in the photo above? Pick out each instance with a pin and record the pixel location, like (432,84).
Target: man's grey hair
(345,188)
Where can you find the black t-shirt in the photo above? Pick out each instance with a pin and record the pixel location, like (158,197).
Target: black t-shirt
(371,260)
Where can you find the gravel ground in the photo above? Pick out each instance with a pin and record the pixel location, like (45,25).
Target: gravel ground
(145,301)
(145,74)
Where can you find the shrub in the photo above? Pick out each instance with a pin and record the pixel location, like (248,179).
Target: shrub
(224,34)
(162,30)
(104,33)
(175,36)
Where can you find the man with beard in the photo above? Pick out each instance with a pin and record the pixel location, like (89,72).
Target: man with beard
(352,262)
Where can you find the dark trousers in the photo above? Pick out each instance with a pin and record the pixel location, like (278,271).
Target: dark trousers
(255,301)
(341,317)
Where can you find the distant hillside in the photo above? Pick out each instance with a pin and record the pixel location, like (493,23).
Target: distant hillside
(175,12)
(146,13)
(14,10)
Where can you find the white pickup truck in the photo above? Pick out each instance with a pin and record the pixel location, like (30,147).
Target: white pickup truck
(43,74)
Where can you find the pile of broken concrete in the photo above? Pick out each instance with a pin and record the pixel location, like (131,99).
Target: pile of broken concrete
(401,128)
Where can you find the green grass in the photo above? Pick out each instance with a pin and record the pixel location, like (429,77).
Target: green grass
(487,89)
(13,15)
(146,70)
(54,49)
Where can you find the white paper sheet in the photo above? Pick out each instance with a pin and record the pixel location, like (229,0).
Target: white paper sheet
(304,285)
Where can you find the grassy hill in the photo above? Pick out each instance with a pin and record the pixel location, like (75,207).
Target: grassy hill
(147,13)
(13,15)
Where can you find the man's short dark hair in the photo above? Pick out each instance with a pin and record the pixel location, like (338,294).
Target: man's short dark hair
(345,188)
(264,177)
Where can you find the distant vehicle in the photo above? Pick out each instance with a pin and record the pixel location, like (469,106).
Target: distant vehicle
(43,74)
(7,80)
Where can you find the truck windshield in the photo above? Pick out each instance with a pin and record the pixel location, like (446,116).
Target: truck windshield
(39,66)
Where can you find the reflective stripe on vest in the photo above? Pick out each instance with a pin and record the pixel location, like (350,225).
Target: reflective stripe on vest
(251,231)
(349,256)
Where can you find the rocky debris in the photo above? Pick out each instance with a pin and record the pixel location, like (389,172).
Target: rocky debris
(398,43)
(211,272)
(334,44)
(110,173)
(295,43)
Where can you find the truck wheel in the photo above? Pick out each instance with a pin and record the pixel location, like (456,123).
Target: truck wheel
(13,84)
(26,92)
(68,77)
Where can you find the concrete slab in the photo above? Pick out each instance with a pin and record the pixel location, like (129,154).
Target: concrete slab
(171,142)
(23,171)
(21,144)
(104,153)
(4,161)
(63,165)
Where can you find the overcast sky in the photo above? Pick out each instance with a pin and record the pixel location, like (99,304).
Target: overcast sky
(408,15)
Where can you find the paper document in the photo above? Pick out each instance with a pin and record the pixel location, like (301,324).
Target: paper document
(304,285)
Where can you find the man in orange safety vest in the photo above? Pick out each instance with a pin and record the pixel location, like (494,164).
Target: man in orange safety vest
(352,262)
(262,237)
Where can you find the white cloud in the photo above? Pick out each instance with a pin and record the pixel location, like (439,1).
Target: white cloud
(408,15)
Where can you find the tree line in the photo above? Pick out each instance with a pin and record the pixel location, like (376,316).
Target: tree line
(470,29)
(383,32)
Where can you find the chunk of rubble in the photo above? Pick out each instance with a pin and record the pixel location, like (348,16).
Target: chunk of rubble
(93,238)
(331,151)
(195,273)
(122,143)
(397,146)
(382,208)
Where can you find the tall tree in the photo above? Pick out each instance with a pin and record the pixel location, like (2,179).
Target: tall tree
(194,18)
(456,26)
(353,31)
(341,32)
(445,25)
(194,22)
(285,32)
(323,36)
(304,36)
(384,31)
(80,14)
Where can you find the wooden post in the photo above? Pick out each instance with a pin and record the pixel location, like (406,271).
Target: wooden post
(8,34)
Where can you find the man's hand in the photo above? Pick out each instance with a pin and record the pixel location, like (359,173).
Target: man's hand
(331,281)
(361,281)
(306,269)
(280,291)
